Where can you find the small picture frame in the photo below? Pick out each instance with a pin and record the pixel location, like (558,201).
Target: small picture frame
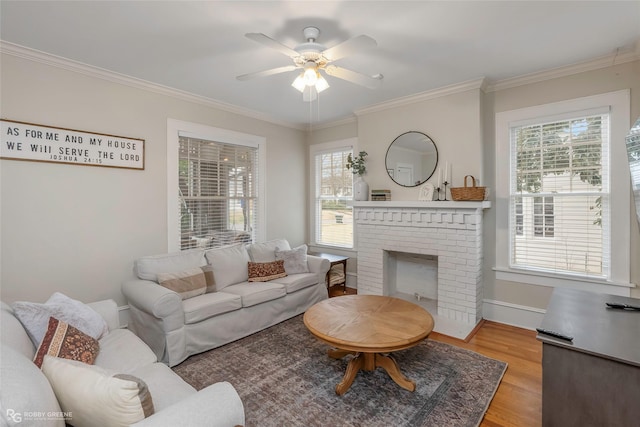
(426,193)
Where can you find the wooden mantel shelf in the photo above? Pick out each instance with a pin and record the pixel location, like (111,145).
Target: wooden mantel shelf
(421,204)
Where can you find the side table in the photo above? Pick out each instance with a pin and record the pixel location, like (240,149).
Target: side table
(335,260)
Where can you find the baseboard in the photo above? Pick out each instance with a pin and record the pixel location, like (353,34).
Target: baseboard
(512,314)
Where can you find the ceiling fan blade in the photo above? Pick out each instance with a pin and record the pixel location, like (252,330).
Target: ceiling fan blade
(274,44)
(372,82)
(348,47)
(267,72)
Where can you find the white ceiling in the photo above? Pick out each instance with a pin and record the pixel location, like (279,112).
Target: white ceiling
(199,47)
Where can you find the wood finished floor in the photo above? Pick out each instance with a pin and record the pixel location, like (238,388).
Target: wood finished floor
(518,401)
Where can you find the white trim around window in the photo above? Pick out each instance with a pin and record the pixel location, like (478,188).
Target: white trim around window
(618,104)
(177,128)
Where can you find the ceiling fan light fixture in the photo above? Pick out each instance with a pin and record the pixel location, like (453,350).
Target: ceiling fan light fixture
(310,76)
(321,84)
(299,83)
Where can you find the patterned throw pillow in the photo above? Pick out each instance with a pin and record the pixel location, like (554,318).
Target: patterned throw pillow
(188,283)
(265,271)
(295,260)
(65,341)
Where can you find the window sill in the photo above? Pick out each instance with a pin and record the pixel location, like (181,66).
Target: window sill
(553,280)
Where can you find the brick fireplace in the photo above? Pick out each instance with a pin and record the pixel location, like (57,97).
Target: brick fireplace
(449,232)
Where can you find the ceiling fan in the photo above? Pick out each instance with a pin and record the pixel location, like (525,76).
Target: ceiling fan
(312,57)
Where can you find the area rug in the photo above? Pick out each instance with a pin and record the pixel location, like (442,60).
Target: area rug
(285,378)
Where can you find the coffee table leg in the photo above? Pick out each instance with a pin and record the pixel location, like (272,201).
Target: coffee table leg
(389,364)
(353,367)
(336,353)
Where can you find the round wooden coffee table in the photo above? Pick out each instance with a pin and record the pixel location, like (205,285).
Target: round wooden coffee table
(368,326)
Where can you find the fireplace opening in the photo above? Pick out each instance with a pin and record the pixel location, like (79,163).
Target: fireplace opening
(413,277)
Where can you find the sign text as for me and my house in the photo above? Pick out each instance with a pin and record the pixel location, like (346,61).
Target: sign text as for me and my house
(26,141)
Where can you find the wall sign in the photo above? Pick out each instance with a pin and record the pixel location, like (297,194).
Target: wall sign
(27,141)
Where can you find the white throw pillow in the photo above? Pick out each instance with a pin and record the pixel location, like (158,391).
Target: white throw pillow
(295,260)
(35,317)
(92,396)
(229,265)
(265,252)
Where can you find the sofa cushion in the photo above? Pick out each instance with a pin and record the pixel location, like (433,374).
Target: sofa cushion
(253,293)
(229,264)
(123,351)
(295,282)
(295,260)
(186,283)
(13,334)
(35,317)
(95,397)
(24,390)
(265,271)
(63,340)
(209,305)
(265,252)
(166,386)
(148,267)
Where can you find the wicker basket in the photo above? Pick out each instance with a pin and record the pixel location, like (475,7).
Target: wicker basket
(468,193)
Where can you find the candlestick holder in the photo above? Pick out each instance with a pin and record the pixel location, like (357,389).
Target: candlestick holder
(438,191)
(445,190)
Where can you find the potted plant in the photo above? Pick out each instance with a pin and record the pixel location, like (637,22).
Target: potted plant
(357,166)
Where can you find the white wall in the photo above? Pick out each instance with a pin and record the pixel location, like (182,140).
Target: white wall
(452,121)
(78,229)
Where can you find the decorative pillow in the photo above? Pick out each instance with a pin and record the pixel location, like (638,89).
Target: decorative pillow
(95,397)
(264,252)
(229,264)
(209,278)
(35,317)
(295,260)
(63,340)
(265,271)
(188,283)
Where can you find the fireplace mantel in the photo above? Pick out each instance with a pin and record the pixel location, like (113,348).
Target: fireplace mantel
(423,205)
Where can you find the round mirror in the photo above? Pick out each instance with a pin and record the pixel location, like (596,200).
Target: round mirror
(411,159)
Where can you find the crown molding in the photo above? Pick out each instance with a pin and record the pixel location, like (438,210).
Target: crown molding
(112,76)
(568,70)
(423,96)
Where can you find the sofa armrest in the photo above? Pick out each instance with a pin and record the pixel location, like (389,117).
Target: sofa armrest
(216,405)
(108,309)
(152,298)
(318,265)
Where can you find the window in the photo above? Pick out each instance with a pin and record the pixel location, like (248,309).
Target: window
(565,201)
(332,191)
(542,217)
(566,158)
(215,188)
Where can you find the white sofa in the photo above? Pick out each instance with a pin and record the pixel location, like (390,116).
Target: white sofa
(233,308)
(27,398)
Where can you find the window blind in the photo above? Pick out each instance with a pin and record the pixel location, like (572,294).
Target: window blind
(333,189)
(217,193)
(559,197)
